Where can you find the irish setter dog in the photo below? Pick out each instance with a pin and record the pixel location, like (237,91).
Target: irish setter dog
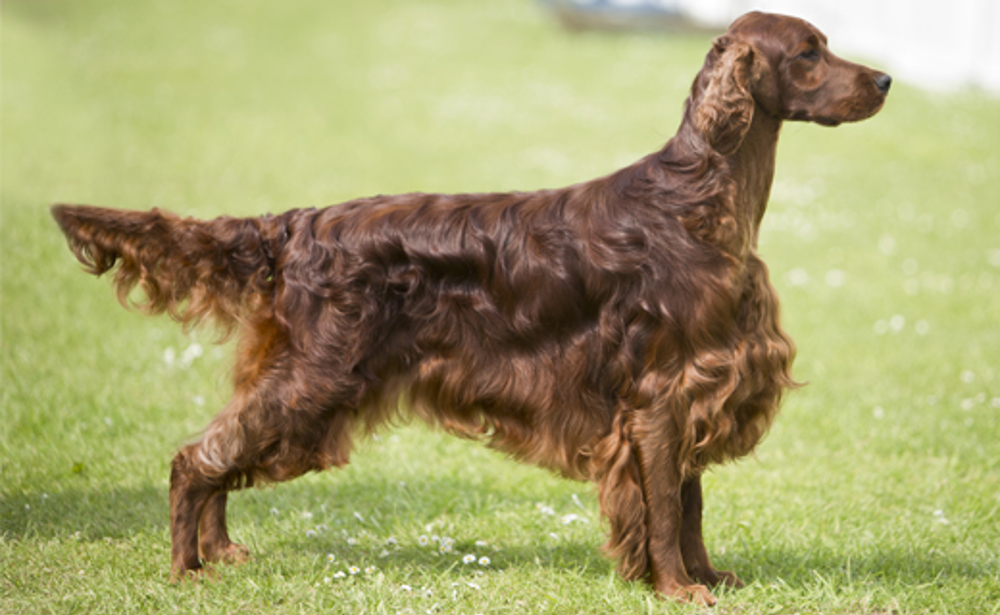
(621,331)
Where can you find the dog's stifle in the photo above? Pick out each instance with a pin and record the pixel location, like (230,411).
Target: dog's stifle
(622,330)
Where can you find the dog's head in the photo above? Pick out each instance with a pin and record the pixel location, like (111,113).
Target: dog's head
(780,66)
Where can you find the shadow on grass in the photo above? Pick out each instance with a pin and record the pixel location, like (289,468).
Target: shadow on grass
(92,514)
(888,566)
(95,514)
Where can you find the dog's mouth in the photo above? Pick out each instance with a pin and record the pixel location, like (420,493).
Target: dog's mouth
(827,121)
(848,110)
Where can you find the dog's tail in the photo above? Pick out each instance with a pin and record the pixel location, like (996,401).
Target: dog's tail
(194,270)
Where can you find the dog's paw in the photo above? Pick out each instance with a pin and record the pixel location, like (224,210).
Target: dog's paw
(233,553)
(715,578)
(226,553)
(728,579)
(193,575)
(694,594)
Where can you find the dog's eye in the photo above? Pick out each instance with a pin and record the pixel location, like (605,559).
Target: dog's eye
(811,55)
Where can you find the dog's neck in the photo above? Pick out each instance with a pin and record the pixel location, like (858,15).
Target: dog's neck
(752,168)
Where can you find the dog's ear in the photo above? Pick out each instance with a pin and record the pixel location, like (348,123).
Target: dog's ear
(724,101)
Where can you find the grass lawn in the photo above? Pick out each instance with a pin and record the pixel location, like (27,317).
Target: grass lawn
(876,492)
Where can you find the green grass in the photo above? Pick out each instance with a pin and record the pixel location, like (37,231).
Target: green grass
(877,491)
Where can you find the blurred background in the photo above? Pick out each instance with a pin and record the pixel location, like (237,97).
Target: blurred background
(936,44)
(876,491)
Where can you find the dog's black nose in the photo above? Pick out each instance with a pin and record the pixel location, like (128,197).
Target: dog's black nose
(882,82)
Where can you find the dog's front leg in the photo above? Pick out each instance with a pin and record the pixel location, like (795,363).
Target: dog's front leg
(696,560)
(662,490)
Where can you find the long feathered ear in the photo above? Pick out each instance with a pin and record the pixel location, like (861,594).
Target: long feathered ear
(725,105)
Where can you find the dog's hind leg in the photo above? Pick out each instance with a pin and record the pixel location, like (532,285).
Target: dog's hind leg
(190,492)
(273,433)
(214,544)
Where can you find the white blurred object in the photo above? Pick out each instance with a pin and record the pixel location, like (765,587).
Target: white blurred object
(930,43)
(933,44)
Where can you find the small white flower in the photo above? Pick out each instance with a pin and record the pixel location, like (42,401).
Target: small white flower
(310,533)
(330,558)
(473,585)
(383,554)
(339,574)
(405,588)
(391,541)
(436,538)
(370,569)
(446,548)
(481,544)
(422,540)
(484,561)
(886,244)
(191,353)
(835,278)
(545,509)
(274,511)
(307,515)
(352,541)
(468,559)
(797,277)
(353,570)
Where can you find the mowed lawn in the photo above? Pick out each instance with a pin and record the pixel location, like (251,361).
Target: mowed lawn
(876,492)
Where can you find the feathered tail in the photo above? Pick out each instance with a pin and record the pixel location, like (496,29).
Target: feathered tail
(221,269)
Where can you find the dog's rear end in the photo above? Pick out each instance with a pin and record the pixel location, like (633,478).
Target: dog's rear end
(189,268)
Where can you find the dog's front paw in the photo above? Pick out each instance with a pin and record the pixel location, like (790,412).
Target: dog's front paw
(715,578)
(194,575)
(234,553)
(694,594)
(726,578)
